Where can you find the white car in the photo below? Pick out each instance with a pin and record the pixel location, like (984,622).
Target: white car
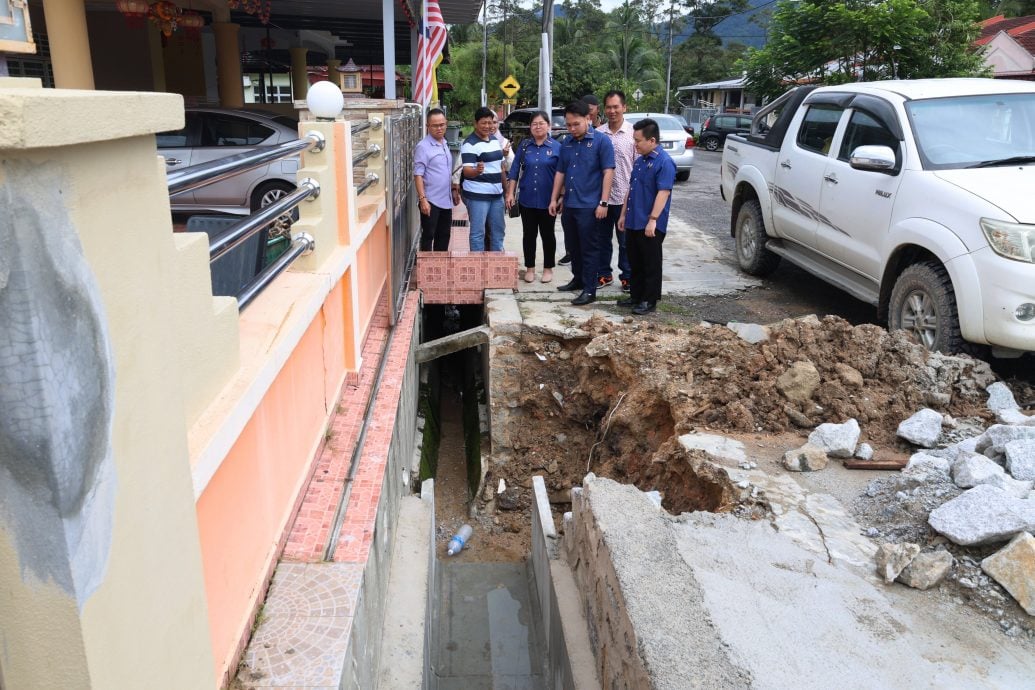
(916,196)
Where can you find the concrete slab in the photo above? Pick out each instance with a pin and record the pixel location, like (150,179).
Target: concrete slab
(781,616)
(560,318)
(487,628)
(402,637)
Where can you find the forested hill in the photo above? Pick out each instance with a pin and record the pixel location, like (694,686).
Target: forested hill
(737,29)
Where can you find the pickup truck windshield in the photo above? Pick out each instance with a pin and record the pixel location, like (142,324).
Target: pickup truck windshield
(966,131)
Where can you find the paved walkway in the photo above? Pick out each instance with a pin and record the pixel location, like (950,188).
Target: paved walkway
(692,265)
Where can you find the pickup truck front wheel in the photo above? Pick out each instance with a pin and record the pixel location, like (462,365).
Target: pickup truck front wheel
(924,303)
(749,235)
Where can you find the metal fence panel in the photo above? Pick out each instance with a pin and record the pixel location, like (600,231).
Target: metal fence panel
(403,130)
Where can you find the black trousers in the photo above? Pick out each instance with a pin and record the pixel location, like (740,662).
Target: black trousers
(435,229)
(645,262)
(538,222)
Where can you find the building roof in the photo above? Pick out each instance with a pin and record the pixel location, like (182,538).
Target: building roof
(1021,29)
(725,85)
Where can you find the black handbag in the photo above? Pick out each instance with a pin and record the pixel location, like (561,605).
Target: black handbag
(515,210)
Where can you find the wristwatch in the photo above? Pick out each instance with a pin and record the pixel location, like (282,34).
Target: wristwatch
(603,204)
(650,218)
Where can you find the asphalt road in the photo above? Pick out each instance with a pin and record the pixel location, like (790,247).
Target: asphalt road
(788,291)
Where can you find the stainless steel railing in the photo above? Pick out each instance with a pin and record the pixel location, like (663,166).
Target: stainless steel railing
(301,245)
(363,126)
(242,230)
(196,176)
(372,151)
(371,180)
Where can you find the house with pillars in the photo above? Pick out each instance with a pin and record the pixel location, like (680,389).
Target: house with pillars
(165,453)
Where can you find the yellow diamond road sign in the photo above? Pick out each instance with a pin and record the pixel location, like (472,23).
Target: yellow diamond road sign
(510,86)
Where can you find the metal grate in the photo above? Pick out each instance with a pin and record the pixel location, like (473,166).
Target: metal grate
(460,222)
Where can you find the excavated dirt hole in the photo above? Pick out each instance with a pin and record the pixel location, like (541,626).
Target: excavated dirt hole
(616,402)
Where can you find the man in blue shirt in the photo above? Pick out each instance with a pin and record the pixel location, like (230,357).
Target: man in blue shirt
(645,216)
(482,185)
(431,174)
(583,178)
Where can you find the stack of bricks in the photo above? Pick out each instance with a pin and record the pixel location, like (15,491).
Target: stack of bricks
(459,277)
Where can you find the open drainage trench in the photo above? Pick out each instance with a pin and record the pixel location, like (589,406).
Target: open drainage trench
(615,403)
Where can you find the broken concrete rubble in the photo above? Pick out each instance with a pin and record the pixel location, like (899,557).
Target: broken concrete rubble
(921,465)
(749,332)
(808,458)
(1013,567)
(1014,418)
(923,428)
(1020,458)
(983,515)
(1000,397)
(892,559)
(836,440)
(927,569)
(971,469)
(997,436)
(715,445)
(864,451)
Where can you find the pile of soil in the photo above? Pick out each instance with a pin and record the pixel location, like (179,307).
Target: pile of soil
(615,403)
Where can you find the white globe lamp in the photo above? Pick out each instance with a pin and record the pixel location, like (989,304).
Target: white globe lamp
(324,100)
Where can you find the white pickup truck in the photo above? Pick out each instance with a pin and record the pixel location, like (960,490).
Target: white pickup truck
(915,196)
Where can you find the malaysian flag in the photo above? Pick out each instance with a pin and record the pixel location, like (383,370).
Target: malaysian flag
(432,41)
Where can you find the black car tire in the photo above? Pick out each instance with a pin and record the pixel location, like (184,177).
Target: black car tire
(683,175)
(711,143)
(923,302)
(750,238)
(268,192)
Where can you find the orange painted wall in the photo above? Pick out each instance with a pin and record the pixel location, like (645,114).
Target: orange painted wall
(333,339)
(246,506)
(371,271)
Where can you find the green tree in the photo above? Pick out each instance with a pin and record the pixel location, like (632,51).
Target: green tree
(832,42)
(1008,8)
(702,59)
(707,15)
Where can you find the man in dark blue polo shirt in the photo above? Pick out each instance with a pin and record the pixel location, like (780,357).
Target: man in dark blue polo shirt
(583,178)
(645,216)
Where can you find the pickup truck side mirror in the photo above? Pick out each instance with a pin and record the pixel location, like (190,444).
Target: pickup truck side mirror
(874,158)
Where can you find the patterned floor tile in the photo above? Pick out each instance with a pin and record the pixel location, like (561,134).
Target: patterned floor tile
(304,627)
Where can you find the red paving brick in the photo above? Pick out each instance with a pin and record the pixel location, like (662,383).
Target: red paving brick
(310,531)
(461,276)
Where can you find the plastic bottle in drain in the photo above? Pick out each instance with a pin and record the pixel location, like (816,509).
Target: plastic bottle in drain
(456,544)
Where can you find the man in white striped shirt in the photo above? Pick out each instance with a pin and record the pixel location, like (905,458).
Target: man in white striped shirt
(482,183)
(620,131)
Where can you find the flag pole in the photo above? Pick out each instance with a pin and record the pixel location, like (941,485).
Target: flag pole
(485,48)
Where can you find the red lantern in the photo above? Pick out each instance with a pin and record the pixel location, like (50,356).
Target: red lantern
(192,23)
(134,11)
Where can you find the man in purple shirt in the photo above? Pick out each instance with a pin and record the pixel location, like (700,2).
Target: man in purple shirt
(432,170)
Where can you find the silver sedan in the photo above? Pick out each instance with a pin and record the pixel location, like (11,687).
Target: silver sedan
(212,133)
(674,140)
